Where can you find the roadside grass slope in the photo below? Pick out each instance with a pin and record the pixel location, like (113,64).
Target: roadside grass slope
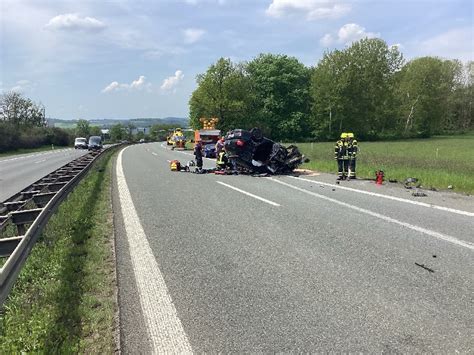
(64,298)
(437,162)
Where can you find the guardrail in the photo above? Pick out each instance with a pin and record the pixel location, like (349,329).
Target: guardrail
(26,213)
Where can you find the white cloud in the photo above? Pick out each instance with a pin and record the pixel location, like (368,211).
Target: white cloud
(172,81)
(192,35)
(74,22)
(326,40)
(456,43)
(135,85)
(196,2)
(22,86)
(313,9)
(347,34)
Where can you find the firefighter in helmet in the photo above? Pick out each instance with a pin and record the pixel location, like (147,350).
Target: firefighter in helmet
(341,154)
(352,149)
(222,160)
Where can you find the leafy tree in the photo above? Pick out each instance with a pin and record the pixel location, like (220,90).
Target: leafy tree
(83,128)
(20,111)
(353,90)
(117,132)
(425,87)
(223,92)
(280,86)
(95,131)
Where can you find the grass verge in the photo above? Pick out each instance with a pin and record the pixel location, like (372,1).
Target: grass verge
(64,298)
(438,162)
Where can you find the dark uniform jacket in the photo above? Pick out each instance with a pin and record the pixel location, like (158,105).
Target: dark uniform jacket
(341,150)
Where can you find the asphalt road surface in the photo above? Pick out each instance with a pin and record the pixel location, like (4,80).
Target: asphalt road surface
(20,171)
(210,263)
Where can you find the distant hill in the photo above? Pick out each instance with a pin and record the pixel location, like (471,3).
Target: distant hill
(108,122)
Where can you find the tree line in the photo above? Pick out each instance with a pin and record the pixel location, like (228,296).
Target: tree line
(367,88)
(23,124)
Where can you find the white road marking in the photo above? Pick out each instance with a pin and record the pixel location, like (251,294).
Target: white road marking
(40,161)
(154,153)
(164,327)
(431,233)
(22,156)
(447,209)
(249,194)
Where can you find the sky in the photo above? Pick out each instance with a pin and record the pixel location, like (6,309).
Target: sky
(139,58)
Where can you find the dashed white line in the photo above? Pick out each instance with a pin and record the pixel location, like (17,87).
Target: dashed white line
(164,327)
(34,155)
(447,209)
(40,161)
(249,194)
(431,233)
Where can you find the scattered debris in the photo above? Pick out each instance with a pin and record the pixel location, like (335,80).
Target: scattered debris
(433,188)
(424,267)
(393,180)
(450,187)
(338,182)
(333,189)
(418,194)
(434,256)
(410,182)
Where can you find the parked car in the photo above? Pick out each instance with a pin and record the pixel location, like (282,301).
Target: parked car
(95,143)
(209,150)
(251,151)
(80,143)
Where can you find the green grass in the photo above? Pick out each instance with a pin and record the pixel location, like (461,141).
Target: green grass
(63,300)
(438,162)
(28,151)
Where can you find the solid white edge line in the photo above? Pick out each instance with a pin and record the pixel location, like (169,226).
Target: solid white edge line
(164,328)
(431,233)
(447,209)
(249,194)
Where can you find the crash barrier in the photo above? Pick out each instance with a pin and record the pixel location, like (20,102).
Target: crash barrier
(26,213)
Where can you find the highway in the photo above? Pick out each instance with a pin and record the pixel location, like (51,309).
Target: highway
(210,263)
(19,171)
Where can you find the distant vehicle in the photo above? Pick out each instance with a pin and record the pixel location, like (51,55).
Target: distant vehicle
(177,139)
(95,143)
(80,143)
(209,150)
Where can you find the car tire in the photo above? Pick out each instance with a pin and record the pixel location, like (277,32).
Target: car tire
(256,134)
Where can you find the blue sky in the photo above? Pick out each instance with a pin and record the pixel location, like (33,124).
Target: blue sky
(131,58)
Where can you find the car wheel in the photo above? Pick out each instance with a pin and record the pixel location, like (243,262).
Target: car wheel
(256,134)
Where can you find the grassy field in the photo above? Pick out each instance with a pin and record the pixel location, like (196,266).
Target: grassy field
(438,162)
(64,298)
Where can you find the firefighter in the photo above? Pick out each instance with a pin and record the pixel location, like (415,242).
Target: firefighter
(219,146)
(198,155)
(352,149)
(222,160)
(342,156)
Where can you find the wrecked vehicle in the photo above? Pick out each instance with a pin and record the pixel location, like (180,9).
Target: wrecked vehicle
(254,153)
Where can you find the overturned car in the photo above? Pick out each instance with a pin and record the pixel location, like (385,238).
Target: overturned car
(252,152)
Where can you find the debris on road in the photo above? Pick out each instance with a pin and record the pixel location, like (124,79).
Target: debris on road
(410,182)
(250,151)
(418,194)
(424,267)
